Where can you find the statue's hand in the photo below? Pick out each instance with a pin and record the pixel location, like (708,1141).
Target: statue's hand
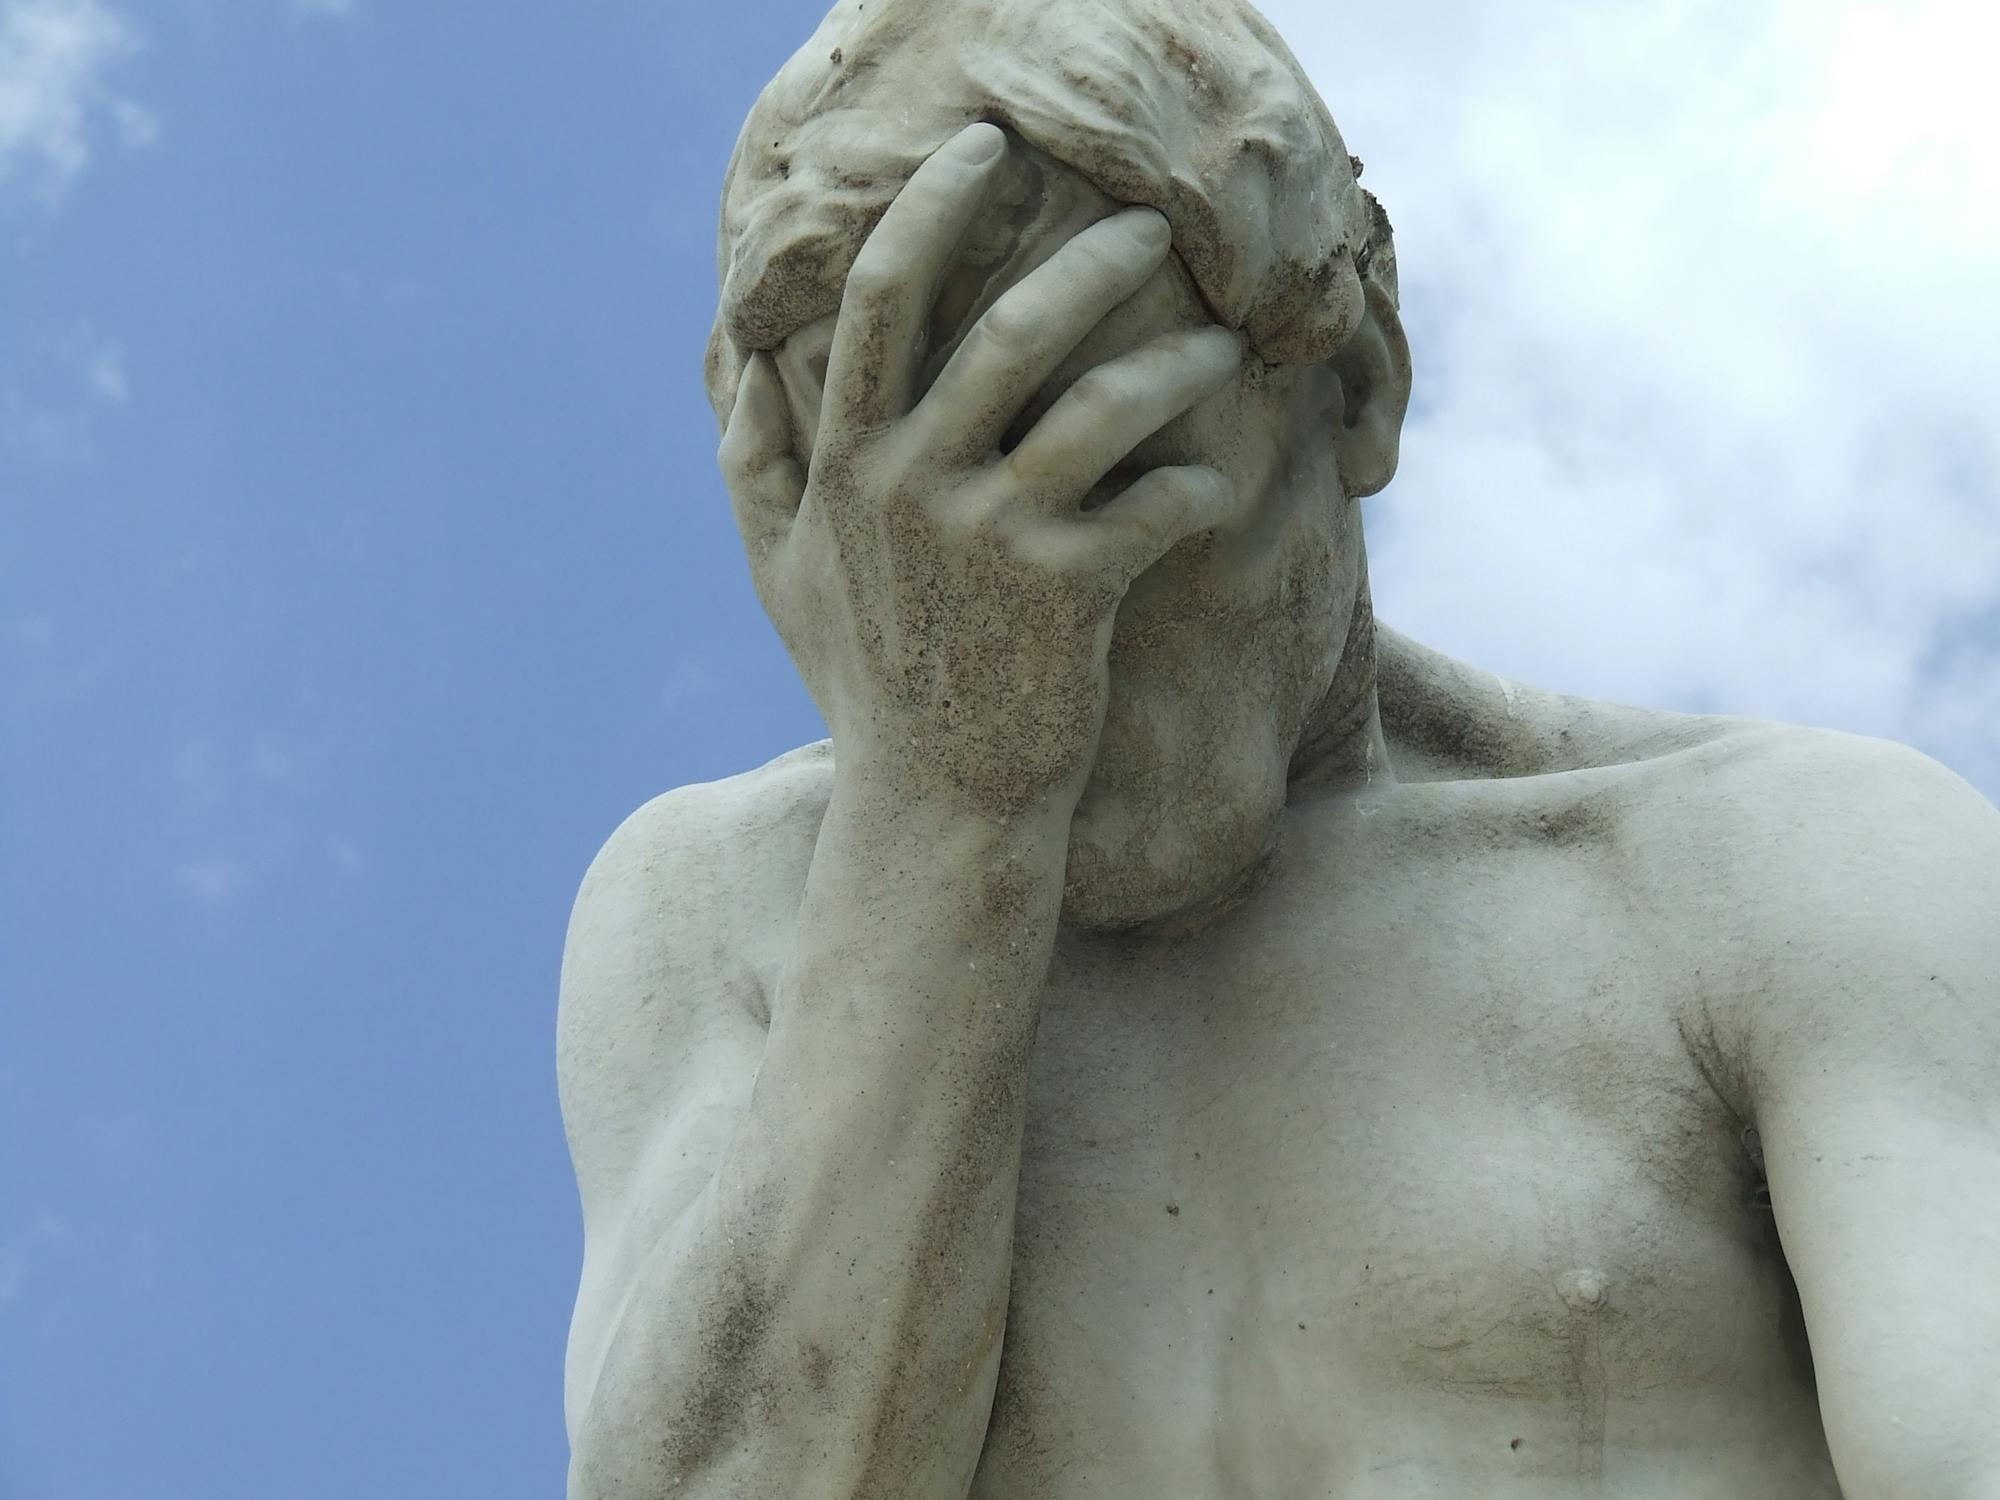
(948,605)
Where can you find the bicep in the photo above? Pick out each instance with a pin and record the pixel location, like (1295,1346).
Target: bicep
(658,1045)
(1888,1203)
(1876,1081)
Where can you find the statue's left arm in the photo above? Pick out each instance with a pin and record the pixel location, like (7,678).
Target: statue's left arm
(1871,1061)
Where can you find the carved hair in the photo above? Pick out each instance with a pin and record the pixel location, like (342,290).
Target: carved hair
(1193,107)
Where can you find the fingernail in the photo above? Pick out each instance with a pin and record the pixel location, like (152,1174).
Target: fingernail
(978,144)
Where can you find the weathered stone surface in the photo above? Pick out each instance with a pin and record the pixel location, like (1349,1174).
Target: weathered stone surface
(1177,1038)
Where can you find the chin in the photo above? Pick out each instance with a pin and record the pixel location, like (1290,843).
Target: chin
(1137,859)
(1193,766)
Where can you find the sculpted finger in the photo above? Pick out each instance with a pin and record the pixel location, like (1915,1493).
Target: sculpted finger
(758,464)
(871,372)
(1023,338)
(1160,511)
(1112,410)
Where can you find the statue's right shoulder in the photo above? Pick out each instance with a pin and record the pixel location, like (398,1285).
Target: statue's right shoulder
(679,932)
(724,828)
(707,877)
(715,847)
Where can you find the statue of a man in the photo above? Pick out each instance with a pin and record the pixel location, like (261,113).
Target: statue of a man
(1177,1039)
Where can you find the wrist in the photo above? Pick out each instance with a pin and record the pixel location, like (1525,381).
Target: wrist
(937,870)
(909,796)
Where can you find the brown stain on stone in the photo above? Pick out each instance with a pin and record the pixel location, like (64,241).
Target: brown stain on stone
(1187,60)
(819,1368)
(1579,822)
(937,1290)
(731,1338)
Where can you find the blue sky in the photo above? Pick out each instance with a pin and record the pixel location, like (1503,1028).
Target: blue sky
(362,564)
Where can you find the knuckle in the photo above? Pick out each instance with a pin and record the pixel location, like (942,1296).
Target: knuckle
(879,269)
(1008,328)
(736,460)
(1178,486)
(739,434)
(1149,528)
(1101,392)
(1052,550)
(1181,503)
(1210,489)
(1074,563)
(1105,256)
(1116,252)
(985,511)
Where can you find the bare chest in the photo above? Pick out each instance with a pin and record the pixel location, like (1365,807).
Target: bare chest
(1292,1220)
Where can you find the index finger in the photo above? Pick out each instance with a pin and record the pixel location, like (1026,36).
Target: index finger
(872,369)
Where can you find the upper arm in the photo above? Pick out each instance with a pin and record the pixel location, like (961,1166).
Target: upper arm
(1873,1066)
(658,1041)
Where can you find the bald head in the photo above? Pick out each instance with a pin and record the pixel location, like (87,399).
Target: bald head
(1193,107)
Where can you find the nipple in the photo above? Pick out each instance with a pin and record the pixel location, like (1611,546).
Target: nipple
(1583,1290)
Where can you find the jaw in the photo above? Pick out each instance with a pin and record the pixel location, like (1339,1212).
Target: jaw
(1171,841)
(1104,894)
(1211,690)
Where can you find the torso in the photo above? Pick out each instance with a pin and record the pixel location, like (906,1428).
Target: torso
(1416,1195)
(1410,1176)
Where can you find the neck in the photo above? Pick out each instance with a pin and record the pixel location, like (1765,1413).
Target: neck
(1343,747)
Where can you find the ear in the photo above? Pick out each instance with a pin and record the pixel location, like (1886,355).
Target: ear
(1374,372)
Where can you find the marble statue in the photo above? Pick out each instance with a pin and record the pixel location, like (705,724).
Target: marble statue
(1179,1038)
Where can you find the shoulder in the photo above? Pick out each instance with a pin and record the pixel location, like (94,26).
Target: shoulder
(706,851)
(1825,821)
(1842,909)
(1808,887)
(675,939)
(711,820)
(1772,836)
(1747,790)
(1448,721)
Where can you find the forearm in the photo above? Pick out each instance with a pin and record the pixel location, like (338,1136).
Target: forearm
(827,1319)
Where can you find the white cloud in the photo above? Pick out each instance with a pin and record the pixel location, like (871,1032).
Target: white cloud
(53,58)
(242,816)
(1707,328)
(137,125)
(51,402)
